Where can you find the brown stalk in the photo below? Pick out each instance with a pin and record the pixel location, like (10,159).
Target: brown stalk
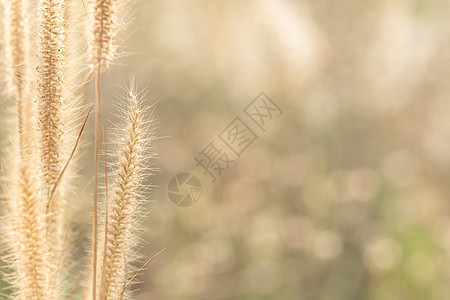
(68,160)
(105,244)
(138,272)
(96,147)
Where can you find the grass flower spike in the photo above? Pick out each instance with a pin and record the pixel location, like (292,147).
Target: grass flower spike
(39,193)
(124,203)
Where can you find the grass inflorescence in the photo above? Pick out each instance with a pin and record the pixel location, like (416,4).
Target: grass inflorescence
(38,190)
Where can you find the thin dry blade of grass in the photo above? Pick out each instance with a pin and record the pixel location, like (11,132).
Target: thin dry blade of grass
(96,150)
(139,272)
(68,161)
(105,244)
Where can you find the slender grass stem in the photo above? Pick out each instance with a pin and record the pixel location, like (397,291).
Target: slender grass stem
(96,150)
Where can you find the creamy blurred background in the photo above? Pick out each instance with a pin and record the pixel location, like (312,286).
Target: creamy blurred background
(346,196)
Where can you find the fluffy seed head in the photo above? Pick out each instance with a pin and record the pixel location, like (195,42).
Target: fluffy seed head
(16,45)
(124,203)
(28,222)
(51,87)
(102,31)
